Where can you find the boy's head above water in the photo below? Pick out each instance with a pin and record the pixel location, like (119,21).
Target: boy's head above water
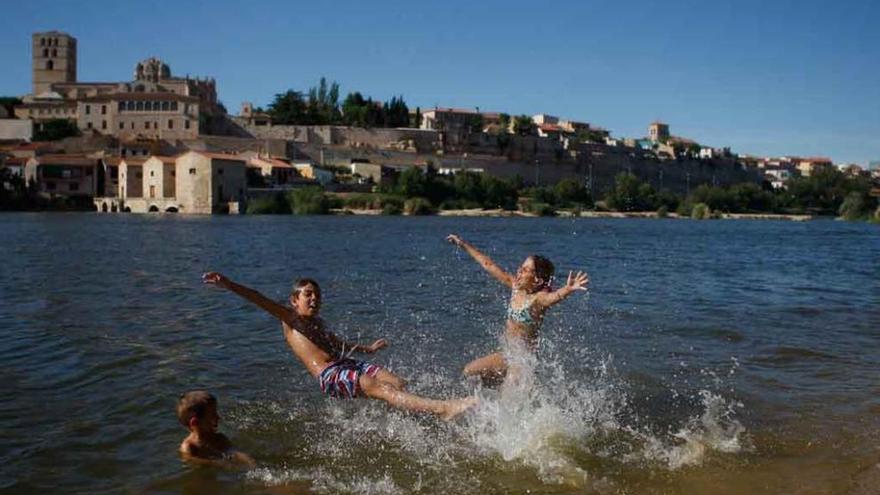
(305,297)
(535,274)
(197,411)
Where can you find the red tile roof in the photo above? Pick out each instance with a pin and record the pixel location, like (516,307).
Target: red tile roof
(69,160)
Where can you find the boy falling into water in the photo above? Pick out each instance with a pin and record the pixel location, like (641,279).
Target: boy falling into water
(326,356)
(197,412)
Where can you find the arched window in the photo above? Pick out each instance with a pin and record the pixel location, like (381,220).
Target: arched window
(165,106)
(148,106)
(42,41)
(140,106)
(50,65)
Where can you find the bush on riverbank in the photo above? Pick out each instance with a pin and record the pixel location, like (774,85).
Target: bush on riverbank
(539,209)
(417,206)
(308,201)
(701,211)
(272,205)
(856,206)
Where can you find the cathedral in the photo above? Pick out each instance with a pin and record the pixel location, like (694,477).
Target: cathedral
(154,105)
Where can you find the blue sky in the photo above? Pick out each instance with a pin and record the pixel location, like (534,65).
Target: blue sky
(763,77)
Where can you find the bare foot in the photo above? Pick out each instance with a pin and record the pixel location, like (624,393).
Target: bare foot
(458,406)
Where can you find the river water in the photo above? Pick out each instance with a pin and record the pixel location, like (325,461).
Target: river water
(708,357)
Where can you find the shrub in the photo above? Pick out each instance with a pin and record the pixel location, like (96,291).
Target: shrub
(270,205)
(662,212)
(854,207)
(701,211)
(308,201)
(540,209)
(418,206)
(392,209)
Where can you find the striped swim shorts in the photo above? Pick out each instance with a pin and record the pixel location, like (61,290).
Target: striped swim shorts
(340,378)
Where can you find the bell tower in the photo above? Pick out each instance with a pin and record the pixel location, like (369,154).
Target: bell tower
(53,60)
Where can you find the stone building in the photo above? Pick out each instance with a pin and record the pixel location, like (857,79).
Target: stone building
(155,104)
(157,115)
(53,60)
(131,178)
(193,183)
(658,131)
(58,175)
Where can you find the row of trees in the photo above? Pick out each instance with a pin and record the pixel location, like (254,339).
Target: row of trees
(828,192)
(321,106)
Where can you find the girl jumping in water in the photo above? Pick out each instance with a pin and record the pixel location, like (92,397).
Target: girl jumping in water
(530,299)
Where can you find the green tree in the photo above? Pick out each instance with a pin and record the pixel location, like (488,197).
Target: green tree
(288,108)
(523,125)
(504,123)
(56,129)
(571,192)
(631,194)
(9,103)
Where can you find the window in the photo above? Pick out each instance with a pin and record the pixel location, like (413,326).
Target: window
(50,186)
(146,125)
(132,126)
(129,106)
(174,173)
(120,106)
(45,53)
(42,41)
(170,124)
(103,124)
(50,65)
(166,106)
(74,186)
(152,191)
(122,125)
(173,106)
(88,109)
(54,52)
(186,123)
(192,171)
(140,106)
(88,125)
(103,109)
(152,173)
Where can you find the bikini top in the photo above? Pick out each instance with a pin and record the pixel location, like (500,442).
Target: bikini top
(522,314)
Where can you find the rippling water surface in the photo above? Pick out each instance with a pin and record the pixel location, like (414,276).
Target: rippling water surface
(708,357)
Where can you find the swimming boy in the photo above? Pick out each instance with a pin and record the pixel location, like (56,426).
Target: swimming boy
(197,412)
(326,356)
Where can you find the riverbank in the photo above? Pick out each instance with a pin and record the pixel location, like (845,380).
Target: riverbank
(477,212)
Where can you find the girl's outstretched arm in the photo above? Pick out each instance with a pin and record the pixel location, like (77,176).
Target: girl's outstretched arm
(575,282)
(270,306)
(496,271)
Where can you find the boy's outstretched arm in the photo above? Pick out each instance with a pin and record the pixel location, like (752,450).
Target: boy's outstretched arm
(496,271)
(575,282)
(271,307)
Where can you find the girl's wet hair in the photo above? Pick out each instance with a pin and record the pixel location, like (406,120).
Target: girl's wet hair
(544,270)
(302,284)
